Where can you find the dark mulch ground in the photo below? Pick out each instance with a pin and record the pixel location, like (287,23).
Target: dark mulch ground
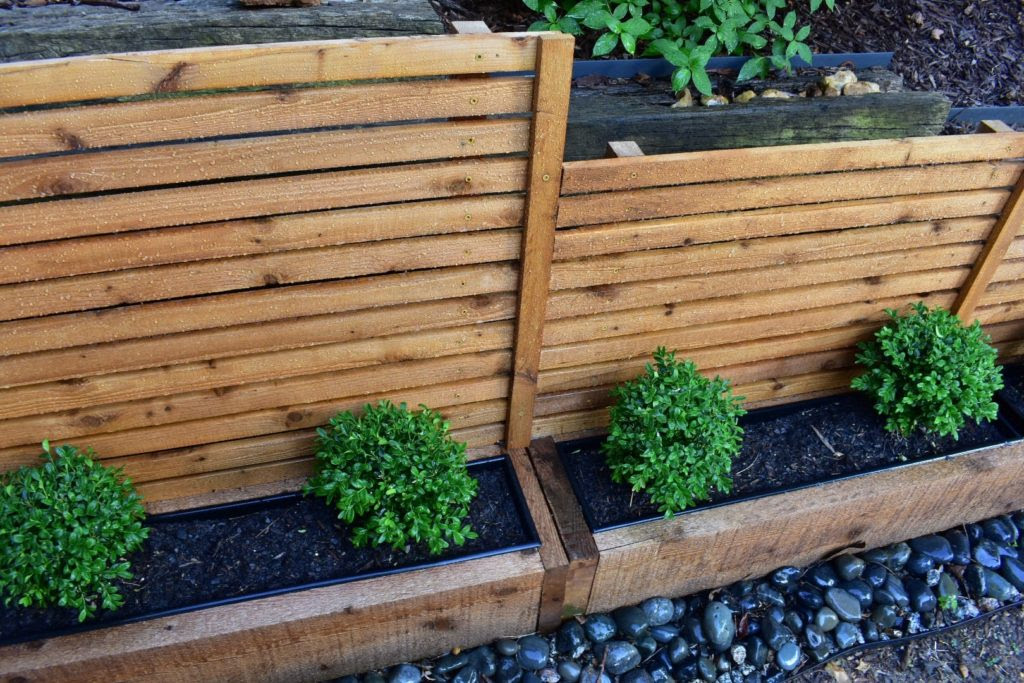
(193,561)
(977,59)
(782,447)
(991,651)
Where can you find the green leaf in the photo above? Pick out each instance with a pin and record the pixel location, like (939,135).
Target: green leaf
(680,78)
(605,44)
(751,68)
(701,80)
(628,42)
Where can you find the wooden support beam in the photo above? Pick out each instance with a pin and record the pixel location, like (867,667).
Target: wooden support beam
(577,540)
(623,148)
(1003,233)
(551,107)
(467,27)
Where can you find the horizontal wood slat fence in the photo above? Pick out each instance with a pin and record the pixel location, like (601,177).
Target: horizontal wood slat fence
(205,254)
(768,265)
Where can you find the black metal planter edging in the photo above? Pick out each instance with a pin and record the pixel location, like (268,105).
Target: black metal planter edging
(1009,422)
(896,642)
(281,500)
(1010,115)
(661,68)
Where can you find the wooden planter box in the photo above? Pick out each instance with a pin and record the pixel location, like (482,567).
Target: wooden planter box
(712,547)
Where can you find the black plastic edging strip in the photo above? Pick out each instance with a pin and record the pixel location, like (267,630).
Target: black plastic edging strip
(895,642)
(1007,422)
(657,68)
(1009,114)
(242,507)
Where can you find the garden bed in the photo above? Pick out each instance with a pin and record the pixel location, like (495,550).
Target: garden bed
(205,574)
(857,501)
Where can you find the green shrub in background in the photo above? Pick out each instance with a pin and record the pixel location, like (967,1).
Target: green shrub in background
(673,433)
(66,527)
(927,370)
(688,33)
(395,476)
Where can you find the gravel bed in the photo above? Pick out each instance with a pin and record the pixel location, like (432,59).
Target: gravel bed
(793,622)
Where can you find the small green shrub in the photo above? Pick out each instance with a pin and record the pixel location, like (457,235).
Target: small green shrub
(673,433)
(925,369)
(395,476)
(688,33)
(66,527)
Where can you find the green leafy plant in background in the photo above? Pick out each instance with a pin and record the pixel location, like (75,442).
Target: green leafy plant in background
(673,433)
(66,527)
(688,33)
(395,476)
(927,370)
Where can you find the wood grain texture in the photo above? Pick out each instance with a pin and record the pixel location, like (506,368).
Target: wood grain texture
(705,548)
(551,102)
(305,636)
(142,73)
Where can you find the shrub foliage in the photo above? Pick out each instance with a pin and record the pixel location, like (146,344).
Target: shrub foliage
(67,526)
(927,370)
(673,433)
(395,476)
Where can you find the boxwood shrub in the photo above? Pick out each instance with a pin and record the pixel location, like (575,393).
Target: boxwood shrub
(67,527)
(395,477)
(926,370)
(673,434)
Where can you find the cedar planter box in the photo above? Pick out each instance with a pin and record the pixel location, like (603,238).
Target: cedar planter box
(635,553)
(325,628)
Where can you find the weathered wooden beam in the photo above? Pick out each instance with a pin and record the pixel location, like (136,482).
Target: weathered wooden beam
(623,148)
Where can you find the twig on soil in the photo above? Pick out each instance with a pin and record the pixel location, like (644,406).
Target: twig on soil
(266,529)
(752,463)
(835,454)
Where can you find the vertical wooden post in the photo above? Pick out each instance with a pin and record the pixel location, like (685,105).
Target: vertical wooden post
(544,180)
(999,240)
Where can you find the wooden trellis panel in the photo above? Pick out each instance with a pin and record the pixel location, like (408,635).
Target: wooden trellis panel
(206,253)
(768,265)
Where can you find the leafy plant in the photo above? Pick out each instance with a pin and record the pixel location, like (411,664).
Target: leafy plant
(687,32)
(66,527)
(673,433)
(395,476)
(925,369)
(948,602)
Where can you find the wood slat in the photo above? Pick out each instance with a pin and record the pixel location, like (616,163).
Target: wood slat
(247,113)
(765,252)
(231,380)
(547,141)
(815,218)
(688,200)
(758,162)
(199,161)
(56,219)
(84,255)
(208,68)
(119,288)
(130,322)
(63,364)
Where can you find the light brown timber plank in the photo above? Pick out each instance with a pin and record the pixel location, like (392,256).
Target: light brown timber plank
(218,160)
(208,68)
(736,195)
(547,141)
(602,175)
(196,278)
(241,113)
(60,218)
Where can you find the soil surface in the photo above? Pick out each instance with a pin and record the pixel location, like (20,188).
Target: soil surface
(785,446)
(977,59)
(990,651)
(192,561)
(1013,387)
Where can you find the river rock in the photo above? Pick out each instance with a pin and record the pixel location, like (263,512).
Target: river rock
(484,659)
(658,672)
(976,581)
(467,674)
(788,656)
(786,578)
(822,576)
(571,639)
(826,619)
(451,663)
(847,635)
(899,553)
(885,616)
(1013,571)
(714,100)
(986,553)
(706,668)
(405,673)
(933,546)
(777,634)
(895,587)
(809,597)
(631,621)
(875,574)
(859,589)
(947,586)
(960,545)
(919,564)
(693,631)
(507,647)
(999,531)
(619,657)
(770,596)
(658,610)
(870,631)
(795,621)
(533,653)
(846,606)
(685,100)
(744,97)
(999,588)
(599,627)
(508,671)
(591,675)
(569,671)
(921,597)
(757,651)
(718,626)
(636,676)
(839,80)
(774,94)
(849,567)
(861,88)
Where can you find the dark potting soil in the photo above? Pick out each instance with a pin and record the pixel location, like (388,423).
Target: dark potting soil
(783,447)
(190,561)
(1013,387)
